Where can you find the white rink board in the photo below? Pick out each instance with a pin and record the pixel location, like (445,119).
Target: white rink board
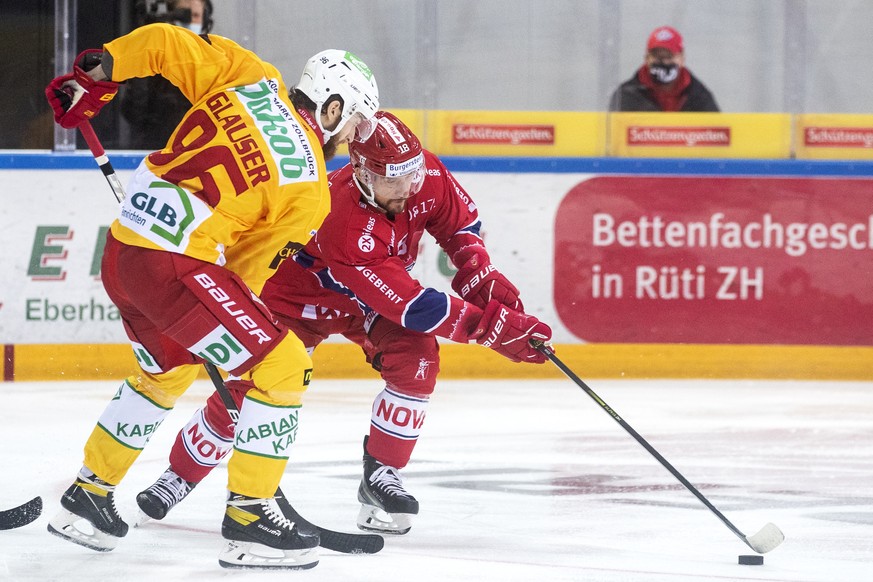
(517,211)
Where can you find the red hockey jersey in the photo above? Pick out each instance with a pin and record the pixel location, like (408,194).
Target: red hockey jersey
(359,261)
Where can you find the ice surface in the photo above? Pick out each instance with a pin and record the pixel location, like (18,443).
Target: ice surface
(518,481)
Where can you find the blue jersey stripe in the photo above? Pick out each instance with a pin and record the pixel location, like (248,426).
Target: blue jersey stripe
(304,259)
(427,311)
(472,229)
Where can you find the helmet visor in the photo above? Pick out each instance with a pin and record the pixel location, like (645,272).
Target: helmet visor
(364,128)
(400,180)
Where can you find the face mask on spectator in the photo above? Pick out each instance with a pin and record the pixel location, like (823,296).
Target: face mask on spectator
(664,73)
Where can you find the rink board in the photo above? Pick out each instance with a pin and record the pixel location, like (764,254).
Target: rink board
(343,360)
(789,314)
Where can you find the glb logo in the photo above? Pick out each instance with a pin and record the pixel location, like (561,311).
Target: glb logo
(164,213)
(145,203)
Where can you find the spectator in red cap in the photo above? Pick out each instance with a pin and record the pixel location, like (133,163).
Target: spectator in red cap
(663,83)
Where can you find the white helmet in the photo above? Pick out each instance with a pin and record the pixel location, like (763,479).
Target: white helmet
(336,72)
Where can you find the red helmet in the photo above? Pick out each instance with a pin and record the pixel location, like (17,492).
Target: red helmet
(392,151)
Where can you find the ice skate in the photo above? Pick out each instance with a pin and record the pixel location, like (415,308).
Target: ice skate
(386,507)
(260,536)
(89,517)
(162,496)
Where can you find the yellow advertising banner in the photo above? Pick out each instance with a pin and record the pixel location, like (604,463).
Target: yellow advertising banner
(413,118)
(833,137)
(700,135)
(516,133)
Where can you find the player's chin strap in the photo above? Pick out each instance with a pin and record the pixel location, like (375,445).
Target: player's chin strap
(768,538)
(366,191)
(345,543)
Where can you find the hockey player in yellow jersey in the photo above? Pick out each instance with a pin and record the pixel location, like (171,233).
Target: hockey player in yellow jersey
(240,186)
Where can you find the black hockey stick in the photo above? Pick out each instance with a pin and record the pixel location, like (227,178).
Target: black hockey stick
(767,539)
(21,515)
(346,543)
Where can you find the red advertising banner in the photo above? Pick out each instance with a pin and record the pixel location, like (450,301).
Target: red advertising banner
(838,137)
(481,133)
(716,260)
(678,136)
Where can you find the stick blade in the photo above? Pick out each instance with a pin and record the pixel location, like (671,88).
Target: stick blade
(21,515)
(766,540)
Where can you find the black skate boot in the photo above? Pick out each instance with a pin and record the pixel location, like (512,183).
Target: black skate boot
(162,496)
(262,537)
(89,517)
(386,507)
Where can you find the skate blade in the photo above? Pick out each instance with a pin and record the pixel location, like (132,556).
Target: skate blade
(71,527)
(376,519)
(249,555)
(141,519)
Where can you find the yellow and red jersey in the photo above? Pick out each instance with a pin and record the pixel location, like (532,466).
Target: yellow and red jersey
(242,182)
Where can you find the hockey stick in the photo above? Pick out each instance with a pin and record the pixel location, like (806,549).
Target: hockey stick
(767,539)
(346,543)
(21,515)
(102,160)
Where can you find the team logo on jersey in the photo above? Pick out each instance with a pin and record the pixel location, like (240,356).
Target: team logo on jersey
(290,249)
(289,146)
(423,365)
(162,212)
(366,243)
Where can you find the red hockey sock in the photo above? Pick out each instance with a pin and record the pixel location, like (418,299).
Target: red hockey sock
(198,449)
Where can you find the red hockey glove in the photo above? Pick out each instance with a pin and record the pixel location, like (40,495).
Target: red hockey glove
(77,97)
(478,282)
(509,332)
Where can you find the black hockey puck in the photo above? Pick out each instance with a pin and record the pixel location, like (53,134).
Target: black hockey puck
(751,560)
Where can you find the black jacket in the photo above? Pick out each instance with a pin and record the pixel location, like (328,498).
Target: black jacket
(632,95)
(153,107)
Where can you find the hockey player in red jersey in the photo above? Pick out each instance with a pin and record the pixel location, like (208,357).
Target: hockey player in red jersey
(353,279)
(207,218)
